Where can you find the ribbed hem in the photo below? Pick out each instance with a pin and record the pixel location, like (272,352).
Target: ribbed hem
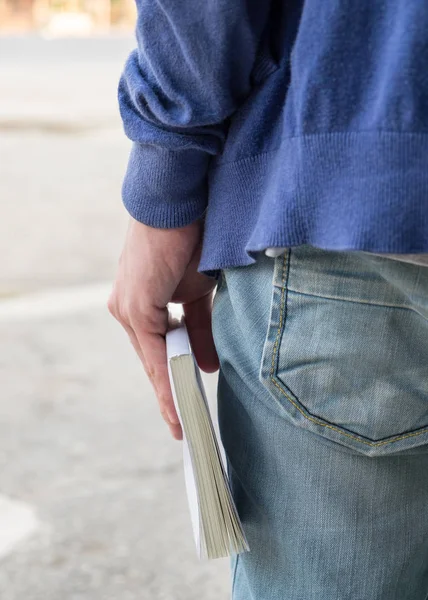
(355,191)
(165,188)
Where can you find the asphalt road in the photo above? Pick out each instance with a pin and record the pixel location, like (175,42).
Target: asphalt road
(92,499)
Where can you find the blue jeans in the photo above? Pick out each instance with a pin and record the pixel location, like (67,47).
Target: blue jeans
(323,411)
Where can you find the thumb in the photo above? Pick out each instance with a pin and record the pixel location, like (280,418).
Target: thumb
(198,322)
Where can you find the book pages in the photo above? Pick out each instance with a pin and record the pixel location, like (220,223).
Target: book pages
(215,521)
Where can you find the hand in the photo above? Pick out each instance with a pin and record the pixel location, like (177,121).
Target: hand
(158,266)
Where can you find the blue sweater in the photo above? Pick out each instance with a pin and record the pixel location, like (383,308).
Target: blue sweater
(281,123)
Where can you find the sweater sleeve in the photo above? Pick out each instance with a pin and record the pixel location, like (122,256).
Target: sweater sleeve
(191,70)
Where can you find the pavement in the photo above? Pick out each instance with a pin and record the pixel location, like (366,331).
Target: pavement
(92,498)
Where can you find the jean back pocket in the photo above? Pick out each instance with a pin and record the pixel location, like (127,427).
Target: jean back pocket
(346,352)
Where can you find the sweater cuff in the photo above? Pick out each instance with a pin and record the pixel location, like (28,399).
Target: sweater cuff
(166,188)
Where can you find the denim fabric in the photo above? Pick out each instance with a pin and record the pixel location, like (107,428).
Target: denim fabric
(323,412)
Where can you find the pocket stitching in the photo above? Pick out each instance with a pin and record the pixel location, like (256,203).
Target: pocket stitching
(356,301)
(282,316)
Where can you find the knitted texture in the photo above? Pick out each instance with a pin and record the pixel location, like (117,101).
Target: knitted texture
(283,123)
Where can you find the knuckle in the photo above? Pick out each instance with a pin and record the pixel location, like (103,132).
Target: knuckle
(122,314)
(164,414)
(146,320)
(133,308)
(140,316)
(111,305)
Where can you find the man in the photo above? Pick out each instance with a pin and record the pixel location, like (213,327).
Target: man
(283,146)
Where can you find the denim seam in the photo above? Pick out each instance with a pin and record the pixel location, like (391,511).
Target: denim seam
(235,566)
(285,270)
(368,302)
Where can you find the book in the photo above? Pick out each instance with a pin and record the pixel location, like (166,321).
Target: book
(215,521)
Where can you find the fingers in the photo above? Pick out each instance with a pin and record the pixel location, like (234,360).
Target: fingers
(198,323)
(176,431)
(153,348)
(149,344)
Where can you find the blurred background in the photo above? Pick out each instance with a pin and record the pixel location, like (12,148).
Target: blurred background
(92,497)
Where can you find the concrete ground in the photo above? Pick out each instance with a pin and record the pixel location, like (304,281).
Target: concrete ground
(92,499)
